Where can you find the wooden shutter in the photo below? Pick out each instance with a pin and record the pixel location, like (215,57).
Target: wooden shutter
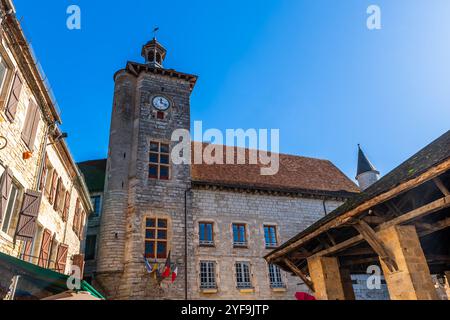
(26,226)
(5,187)
(51,199)
(62,200)
(57,194)
(31,125)
(27,251)
(61,258)
(76,217)
(44,254)
(14,97)
(81,225)
(43,175)
(78,260)
(65,215)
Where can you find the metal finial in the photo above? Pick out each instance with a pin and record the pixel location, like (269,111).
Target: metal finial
(155,32)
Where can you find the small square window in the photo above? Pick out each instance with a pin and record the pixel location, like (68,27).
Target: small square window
(153,171)
(162,223)
(150,234)
(154,158)
(150,249)
(164,173)
(160,115)
(164,148)
(162,250)
(162,234)
(151,223)
(164,159)
(154,146)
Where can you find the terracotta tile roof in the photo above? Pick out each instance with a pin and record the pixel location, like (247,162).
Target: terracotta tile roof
(295,173)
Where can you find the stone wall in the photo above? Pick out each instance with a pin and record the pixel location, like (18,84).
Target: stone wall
(93,229)
(363,293)
(289,214)
(131,197)
(26,172)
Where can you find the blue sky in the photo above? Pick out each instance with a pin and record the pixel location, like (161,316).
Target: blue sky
(310,68)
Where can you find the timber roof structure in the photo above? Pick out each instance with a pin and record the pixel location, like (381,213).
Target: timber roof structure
(416,193)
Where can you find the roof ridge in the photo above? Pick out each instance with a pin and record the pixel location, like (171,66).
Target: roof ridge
(279,153)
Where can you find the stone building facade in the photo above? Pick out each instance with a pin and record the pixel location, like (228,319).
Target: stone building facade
(255,210)
(45,202)
(214,222)
(94,173)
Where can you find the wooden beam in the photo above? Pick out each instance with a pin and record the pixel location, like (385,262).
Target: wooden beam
(430,228)
(357,252)
(414,214)
(374,219)
(372,239)
(408,185)
(418,213)
(299,273)
(396,211)
(438,182)
(438,258)
(330,237)
(360,261)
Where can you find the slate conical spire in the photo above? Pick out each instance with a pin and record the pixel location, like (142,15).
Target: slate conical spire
(364,164)
(366,174)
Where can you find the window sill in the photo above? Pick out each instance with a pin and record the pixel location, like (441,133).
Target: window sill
(280,289)
(207,245)
(6,237)
(209,291)
(240,246)
(246,290)
(272,247)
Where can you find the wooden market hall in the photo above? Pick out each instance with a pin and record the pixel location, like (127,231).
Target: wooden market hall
(400,223)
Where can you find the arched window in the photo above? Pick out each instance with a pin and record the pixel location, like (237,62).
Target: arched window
(151,56)
(158,58)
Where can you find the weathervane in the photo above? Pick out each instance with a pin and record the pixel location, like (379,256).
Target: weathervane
(155,32)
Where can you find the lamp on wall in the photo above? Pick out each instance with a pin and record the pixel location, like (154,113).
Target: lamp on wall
(27,155)
(59,137)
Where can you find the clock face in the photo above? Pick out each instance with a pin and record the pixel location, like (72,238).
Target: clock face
(161,103)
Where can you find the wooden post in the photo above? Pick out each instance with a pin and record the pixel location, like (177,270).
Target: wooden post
(299,273)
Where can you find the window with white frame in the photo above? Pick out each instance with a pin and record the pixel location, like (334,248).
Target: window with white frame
(239,235)
(270,236)
(11,209)
(4,68)
(243,279)
(208,275)
(206,233)
(276,280)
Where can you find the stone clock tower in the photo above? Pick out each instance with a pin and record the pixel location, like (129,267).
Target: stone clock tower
(144,207)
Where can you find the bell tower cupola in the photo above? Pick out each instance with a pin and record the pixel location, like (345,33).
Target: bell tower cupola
(154,53)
